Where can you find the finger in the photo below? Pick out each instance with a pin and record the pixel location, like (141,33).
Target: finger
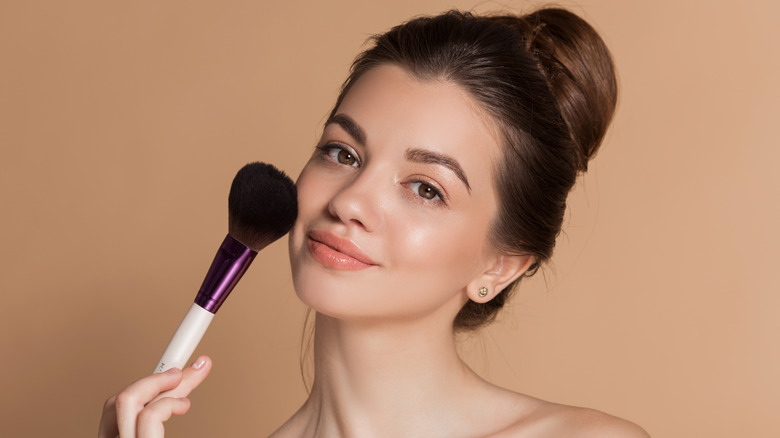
(192,376)
(131,400)
(151,418)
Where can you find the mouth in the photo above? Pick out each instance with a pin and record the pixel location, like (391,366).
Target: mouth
(337,253)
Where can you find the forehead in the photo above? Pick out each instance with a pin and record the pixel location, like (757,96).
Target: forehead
(397,110)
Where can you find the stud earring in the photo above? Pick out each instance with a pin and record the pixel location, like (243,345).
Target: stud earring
(483,291)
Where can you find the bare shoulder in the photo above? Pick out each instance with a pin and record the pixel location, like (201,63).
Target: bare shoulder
(588,423)
(555,420)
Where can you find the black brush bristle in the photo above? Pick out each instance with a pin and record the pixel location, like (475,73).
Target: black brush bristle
(262,205)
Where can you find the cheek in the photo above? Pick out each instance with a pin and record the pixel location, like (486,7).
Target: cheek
(308,184)
(309,202)
(312,197)
(447,254)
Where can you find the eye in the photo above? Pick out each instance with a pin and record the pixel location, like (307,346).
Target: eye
(345,157)
(426,191)
(340,154)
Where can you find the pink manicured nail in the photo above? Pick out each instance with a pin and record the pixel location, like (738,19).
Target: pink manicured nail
(199,363)
(171,370)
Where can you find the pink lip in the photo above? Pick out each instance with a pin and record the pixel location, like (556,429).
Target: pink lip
(336,252)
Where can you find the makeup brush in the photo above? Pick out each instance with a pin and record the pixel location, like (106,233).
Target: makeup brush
(262,207)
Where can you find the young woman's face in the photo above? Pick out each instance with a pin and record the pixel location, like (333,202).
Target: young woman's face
(396,202)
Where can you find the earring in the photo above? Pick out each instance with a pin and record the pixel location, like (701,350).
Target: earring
(483,291)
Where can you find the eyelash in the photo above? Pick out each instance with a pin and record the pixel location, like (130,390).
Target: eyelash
(331,151)
(329,148)
(436,192)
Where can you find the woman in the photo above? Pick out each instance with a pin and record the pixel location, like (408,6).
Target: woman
(439,182)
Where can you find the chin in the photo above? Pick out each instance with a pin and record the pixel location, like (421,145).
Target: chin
(336,297)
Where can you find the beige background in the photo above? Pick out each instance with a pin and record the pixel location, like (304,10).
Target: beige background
(122,124)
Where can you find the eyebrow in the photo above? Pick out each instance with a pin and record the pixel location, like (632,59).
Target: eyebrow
(430,157)
(349,125)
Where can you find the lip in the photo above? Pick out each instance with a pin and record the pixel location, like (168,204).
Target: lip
(336,252)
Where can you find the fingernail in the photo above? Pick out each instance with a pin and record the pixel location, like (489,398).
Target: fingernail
(198,363)
(171,370)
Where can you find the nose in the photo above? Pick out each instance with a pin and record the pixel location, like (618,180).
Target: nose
(359,201)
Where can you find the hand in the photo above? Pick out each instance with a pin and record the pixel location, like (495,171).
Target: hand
(139,410)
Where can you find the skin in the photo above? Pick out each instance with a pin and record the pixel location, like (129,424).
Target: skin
(395,208)
(141,408)
(427,252)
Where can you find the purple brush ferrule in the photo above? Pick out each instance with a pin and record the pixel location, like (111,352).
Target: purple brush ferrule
(232,260)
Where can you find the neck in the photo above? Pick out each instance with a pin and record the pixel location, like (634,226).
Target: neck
(368,376)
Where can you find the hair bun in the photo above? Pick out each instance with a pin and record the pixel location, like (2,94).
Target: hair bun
(579,72)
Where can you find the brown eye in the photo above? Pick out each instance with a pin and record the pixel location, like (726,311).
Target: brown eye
(339,154)
(345,157)
(427,192)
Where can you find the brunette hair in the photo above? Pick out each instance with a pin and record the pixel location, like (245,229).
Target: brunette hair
(547,80)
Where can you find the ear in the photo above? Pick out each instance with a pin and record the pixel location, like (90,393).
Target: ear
(504,270)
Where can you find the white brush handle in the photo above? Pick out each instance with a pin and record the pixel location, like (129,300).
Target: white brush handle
(186,338)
